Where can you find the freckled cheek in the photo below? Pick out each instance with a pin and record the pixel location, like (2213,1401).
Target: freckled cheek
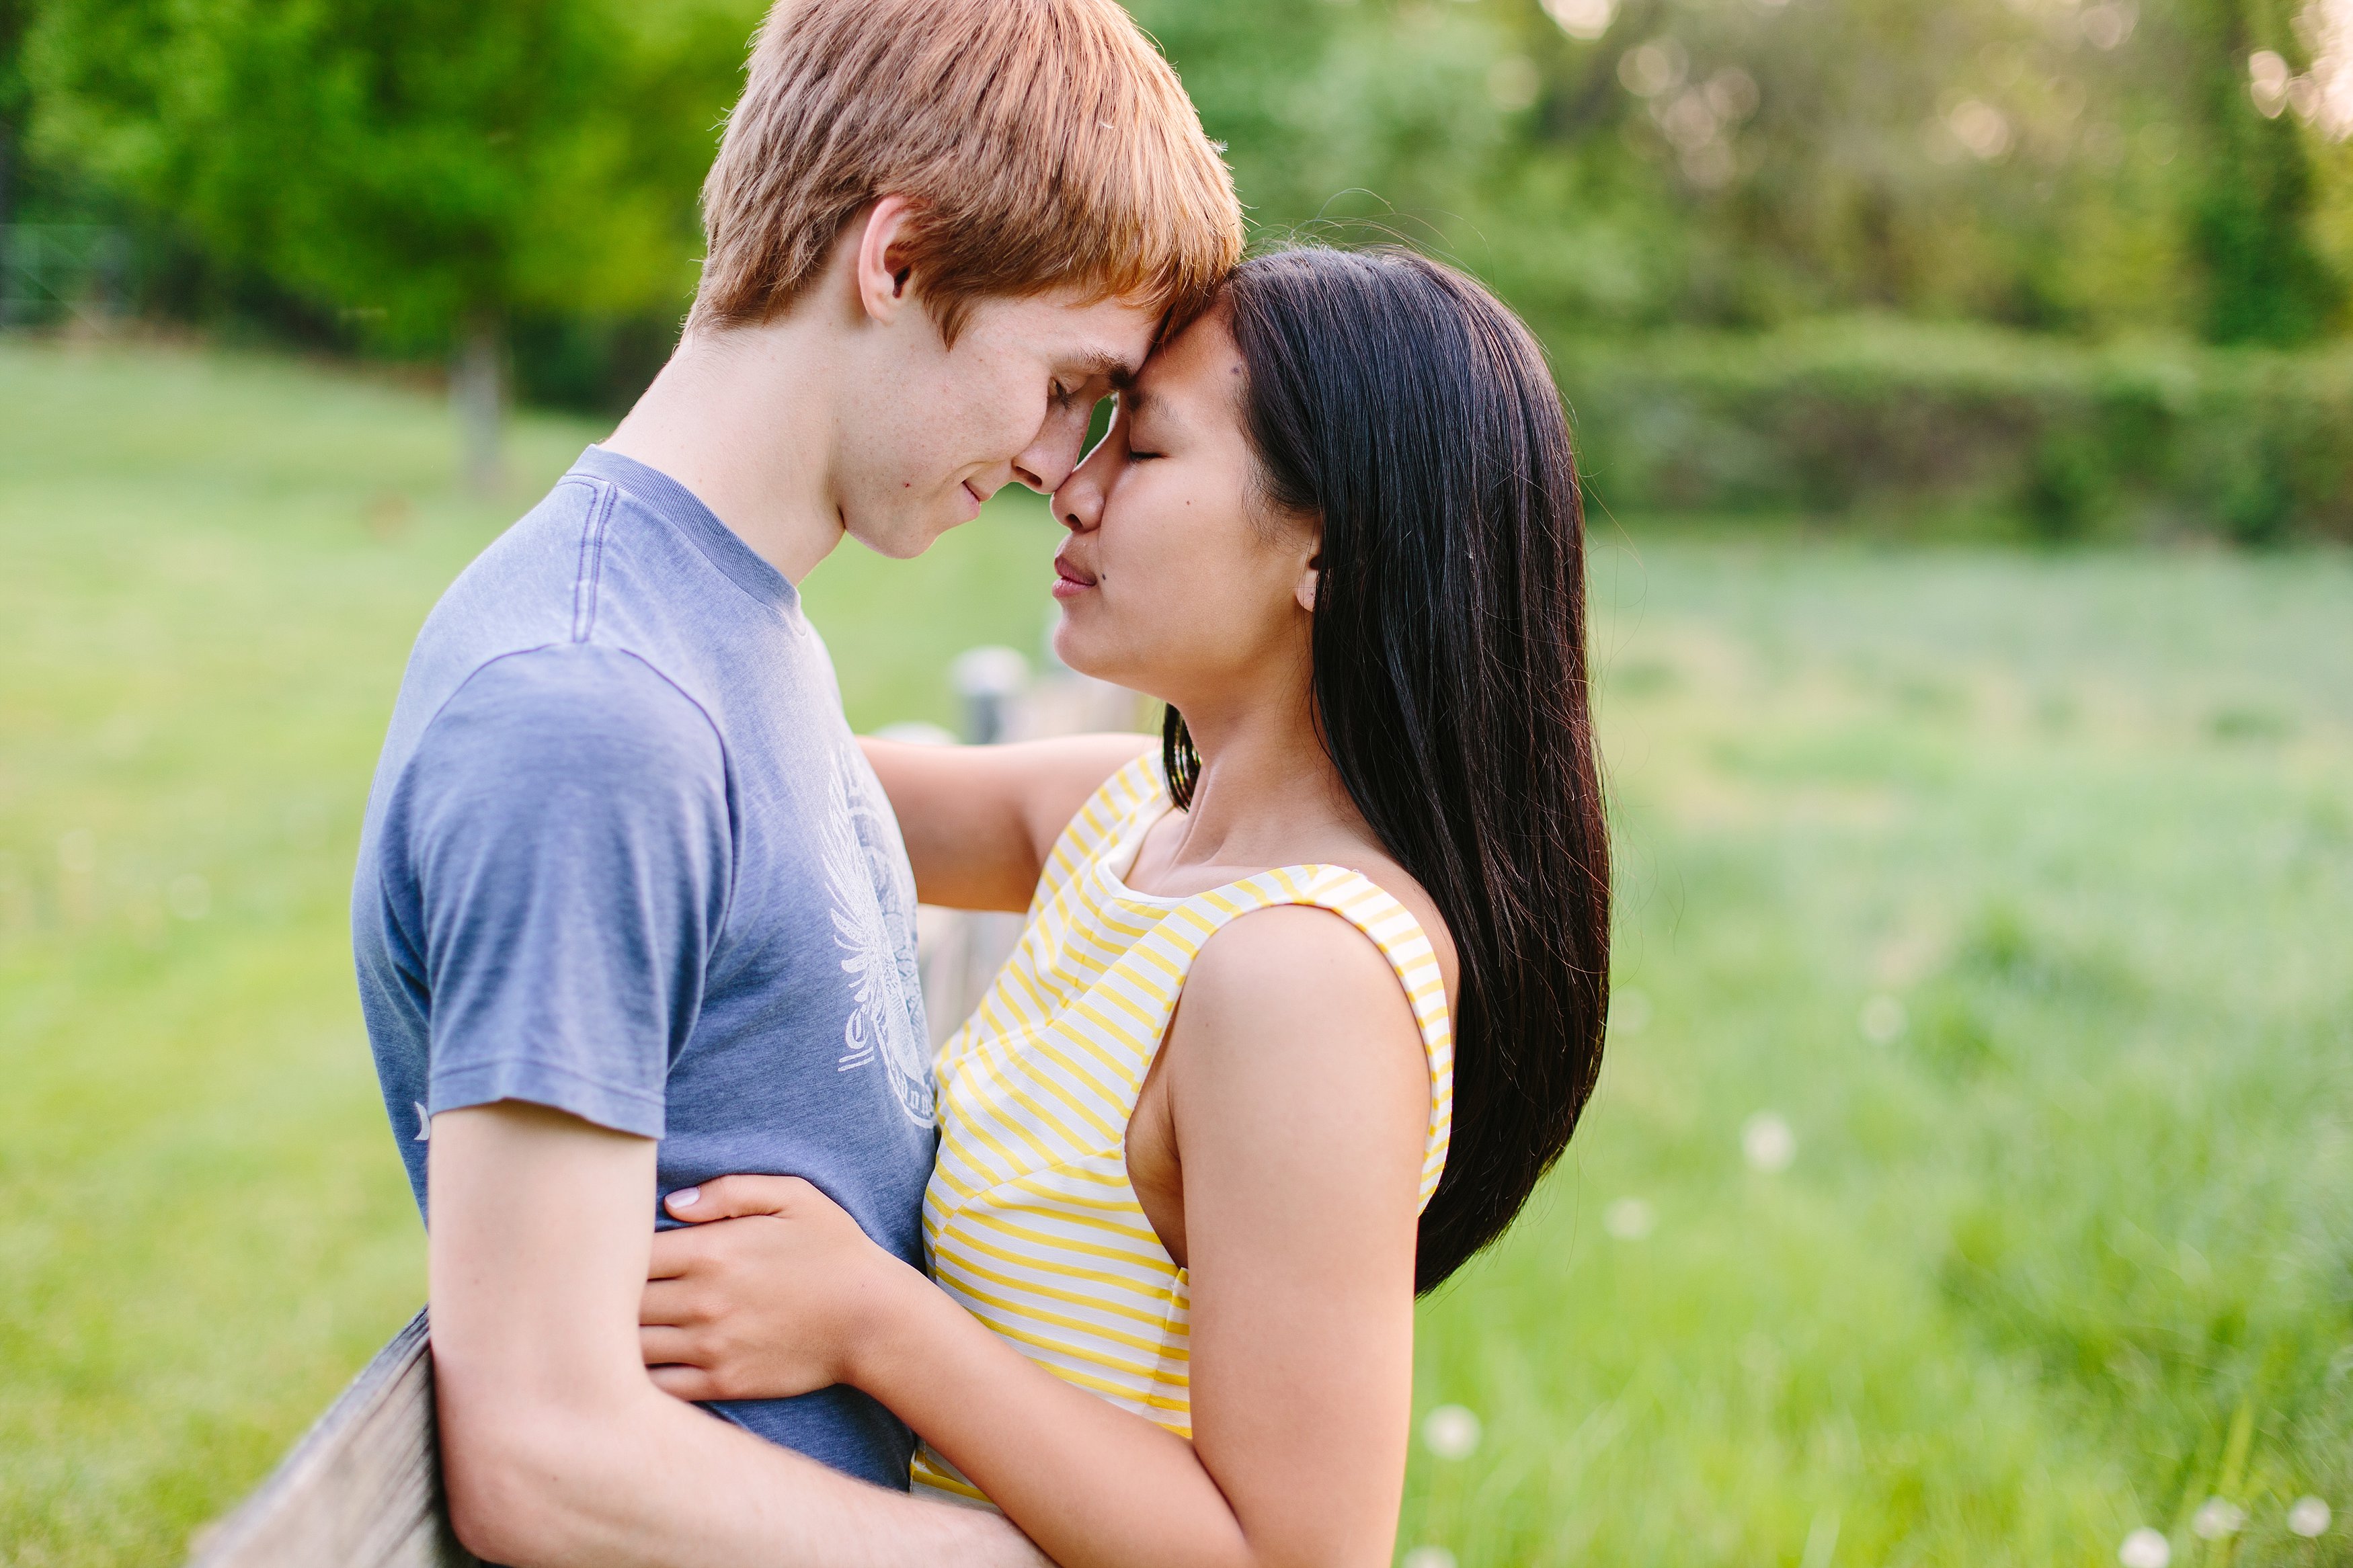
(1022,412)
(989,424)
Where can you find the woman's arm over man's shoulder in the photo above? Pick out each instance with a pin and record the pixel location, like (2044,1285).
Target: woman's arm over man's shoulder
(979,821)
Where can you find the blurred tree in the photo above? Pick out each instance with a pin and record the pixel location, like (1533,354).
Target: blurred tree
(1623,165)
(428,167)
(444,172)
(14,15)
(2253,208)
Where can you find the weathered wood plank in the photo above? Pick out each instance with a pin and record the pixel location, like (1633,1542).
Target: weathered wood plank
(362,1489)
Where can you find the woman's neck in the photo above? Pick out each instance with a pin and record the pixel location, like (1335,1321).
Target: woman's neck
(1268,795)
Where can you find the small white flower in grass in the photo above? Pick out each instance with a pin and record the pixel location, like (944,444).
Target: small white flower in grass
(2144,1548)
(1629,1219)
(2307,1517)
(1883,1020)
(2216,1519)
(1768,1143)
(1428,1557)
(1450,1432)
(191,897)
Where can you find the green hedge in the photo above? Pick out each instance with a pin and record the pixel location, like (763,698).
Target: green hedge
(1888,418)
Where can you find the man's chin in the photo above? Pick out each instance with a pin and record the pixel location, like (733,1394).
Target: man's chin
(906,541)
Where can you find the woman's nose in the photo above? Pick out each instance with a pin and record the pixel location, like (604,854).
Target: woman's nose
(1078,504)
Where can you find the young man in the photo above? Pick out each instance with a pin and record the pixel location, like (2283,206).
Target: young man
(631,911)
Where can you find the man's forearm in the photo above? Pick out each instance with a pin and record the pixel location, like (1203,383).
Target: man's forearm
(654,1483)
(557,1448)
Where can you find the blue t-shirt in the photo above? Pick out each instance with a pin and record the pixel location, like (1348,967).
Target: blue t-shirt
(623,857)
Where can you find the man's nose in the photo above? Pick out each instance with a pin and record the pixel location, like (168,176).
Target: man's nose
(1047,462)
(1038,471)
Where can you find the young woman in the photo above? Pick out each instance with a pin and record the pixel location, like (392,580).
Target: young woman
(1310,997)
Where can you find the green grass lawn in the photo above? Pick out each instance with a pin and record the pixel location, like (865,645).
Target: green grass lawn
(2016,889)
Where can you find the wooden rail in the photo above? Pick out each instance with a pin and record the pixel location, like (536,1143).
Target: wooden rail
(362,1489)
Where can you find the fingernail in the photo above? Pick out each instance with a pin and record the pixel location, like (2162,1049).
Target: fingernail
(684,1197)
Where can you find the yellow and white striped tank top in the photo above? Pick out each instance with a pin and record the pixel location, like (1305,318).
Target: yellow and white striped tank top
(1030,1220)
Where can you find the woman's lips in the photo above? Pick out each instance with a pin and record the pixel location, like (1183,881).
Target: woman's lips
(978,499)
(1069,581)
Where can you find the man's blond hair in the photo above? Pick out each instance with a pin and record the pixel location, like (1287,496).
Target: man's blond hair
(1043,143)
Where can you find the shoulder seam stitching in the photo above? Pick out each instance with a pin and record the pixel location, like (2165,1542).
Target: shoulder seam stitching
(590,571)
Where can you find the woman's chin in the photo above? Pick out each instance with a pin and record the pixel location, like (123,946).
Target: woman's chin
(1079,652)
(1069,647)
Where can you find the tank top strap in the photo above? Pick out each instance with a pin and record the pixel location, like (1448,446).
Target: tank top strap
(1100,825)
(1168,949)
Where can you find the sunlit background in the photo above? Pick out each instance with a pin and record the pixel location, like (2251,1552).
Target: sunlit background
(1967,406)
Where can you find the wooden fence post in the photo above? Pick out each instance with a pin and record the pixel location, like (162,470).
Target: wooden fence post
(362,1489)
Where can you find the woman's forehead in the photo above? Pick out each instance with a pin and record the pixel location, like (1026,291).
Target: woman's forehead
(1198,362)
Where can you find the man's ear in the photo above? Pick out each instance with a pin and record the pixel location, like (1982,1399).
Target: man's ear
(883,275)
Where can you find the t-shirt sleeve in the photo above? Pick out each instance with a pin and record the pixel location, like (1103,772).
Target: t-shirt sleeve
(564,832)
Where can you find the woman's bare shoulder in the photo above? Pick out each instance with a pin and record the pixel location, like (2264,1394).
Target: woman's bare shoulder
(1297,974)
(1293,1021)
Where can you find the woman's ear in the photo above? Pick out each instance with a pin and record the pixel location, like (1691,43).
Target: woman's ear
(1304,589)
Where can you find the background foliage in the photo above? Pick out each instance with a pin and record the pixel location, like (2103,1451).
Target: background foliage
(407,165)
(1931,427)
(374,173)
(2090,166)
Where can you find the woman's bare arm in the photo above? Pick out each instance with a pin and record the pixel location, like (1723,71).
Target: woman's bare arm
(1299,1095)
(979,821)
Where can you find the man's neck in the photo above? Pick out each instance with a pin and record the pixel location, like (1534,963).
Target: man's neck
(744,420)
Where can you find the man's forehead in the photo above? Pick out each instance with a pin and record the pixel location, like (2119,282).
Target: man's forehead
(1102,338)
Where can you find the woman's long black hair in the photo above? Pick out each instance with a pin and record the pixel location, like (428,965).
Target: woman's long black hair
(1401,407)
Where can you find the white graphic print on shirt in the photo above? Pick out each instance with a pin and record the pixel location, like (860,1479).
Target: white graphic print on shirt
(869,912)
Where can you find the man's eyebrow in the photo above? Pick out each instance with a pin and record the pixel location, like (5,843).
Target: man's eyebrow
(1117,369)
